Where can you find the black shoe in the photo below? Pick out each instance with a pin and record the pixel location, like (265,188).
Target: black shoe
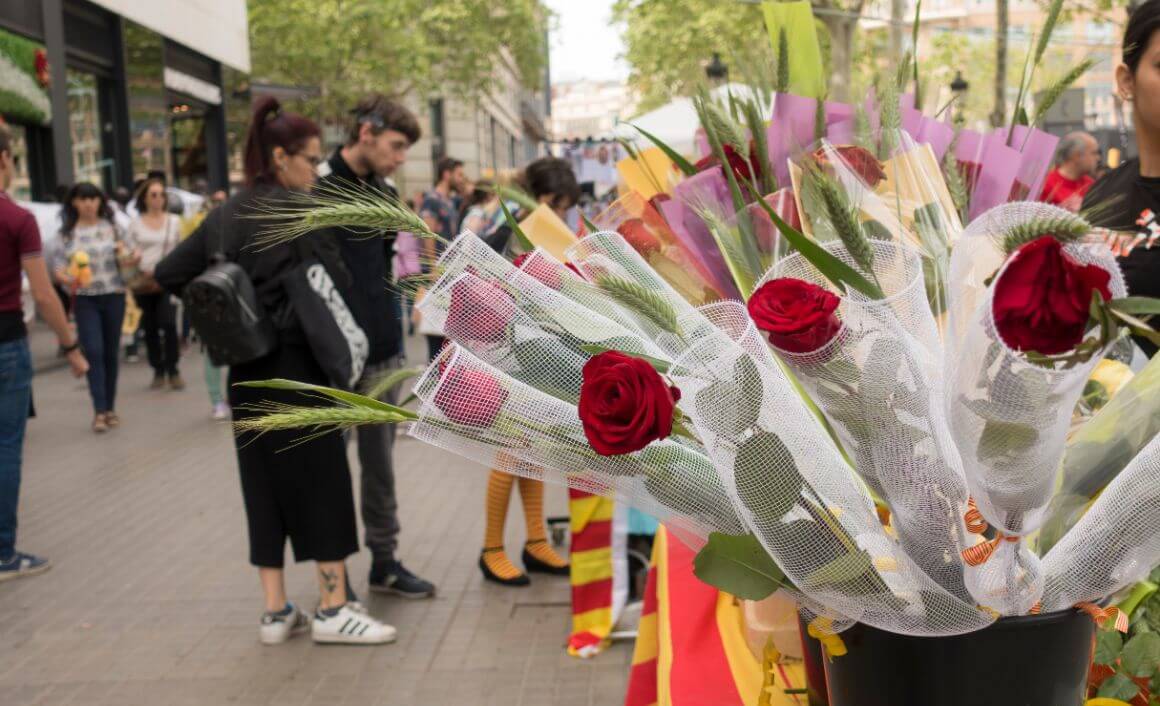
(393,577)
(520,580)
(531,563)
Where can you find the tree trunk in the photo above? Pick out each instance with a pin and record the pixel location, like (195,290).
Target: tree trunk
(841,29)
(897,17)
(999,114)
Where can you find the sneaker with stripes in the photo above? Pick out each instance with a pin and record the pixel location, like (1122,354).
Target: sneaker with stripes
(277,626)
(344,625)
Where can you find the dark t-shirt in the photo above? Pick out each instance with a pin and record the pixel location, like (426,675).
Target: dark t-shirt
(19,238)
(1128,203)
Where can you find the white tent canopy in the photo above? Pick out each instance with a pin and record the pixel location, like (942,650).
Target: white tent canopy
(676,123)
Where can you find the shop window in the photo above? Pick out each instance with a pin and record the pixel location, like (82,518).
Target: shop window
(21,186)
(148,108)
(84,119)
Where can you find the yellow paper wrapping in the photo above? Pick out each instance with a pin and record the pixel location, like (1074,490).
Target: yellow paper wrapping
(646,174)
(547,232)
(805,67)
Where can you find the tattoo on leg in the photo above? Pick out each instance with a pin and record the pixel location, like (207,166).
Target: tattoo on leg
(329,579)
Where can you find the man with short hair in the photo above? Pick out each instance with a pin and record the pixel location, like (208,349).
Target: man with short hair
(20,251)
(381,132)
(440,211)
(1077,157)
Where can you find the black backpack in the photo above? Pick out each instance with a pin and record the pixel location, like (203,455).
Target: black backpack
(225,311)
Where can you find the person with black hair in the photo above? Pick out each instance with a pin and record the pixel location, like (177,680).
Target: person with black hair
(381,132)
(440,210)
(156,232)
(1127,199)
(551,181)
(86,262)
(292,489)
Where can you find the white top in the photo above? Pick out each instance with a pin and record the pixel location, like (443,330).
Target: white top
(155,244)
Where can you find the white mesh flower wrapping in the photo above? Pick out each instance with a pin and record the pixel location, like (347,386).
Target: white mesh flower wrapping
(470,408)
(1115,544)
(791,486)
(1010,417)
(877,383)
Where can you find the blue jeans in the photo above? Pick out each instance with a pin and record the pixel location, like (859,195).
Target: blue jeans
(99,320)
(15,398)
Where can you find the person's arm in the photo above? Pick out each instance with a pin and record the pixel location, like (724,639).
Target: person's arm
(49,306)
(188,260)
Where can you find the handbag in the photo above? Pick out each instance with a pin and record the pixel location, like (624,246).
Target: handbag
(225,310)
(139,282)
(337,341)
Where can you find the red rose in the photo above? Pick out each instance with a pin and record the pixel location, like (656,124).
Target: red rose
(798,315)
(745,167)
(470,397)
(638,236)
(1042,299)
(544,270)
(858,159)
(625,404)
(480,310)
(970,171)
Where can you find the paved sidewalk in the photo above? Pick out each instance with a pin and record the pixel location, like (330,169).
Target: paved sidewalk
(151,600)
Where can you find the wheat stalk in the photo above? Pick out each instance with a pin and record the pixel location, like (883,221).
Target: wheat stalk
(843,216)
(1055,90)
(1053,12)
(639,300)
(890,118)
(903,76)
(1066,229)
(782,61)
(389,380)
(282,417)
(728,131)
(352,206)
(955,183)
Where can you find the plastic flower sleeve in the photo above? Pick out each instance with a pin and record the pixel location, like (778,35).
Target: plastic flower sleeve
(1116,543)
(877,383)
(1009,416)
(791,486)
(475,411)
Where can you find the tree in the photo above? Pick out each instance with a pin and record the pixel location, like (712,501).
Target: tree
(347,48)
(668,42)
(1002,22)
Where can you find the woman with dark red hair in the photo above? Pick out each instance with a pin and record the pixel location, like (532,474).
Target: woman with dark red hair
(291,488)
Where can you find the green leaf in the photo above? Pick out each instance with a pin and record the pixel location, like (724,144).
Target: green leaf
(875,230)
(521,238)
(1136,306)
(845,572)
(683,164)
(1141,655)
(739,566)
(826,262)
(1119,687)
(640,300)
(1004,439)
(1108,646)
(351,398)
(391,380)
(1138,327)
(766,477)
(661,366)
(589,225)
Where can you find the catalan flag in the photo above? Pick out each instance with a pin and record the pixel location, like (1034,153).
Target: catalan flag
(599,571)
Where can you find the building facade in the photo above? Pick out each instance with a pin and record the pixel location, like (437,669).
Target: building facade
(583,110)
(502,129)
(108,91)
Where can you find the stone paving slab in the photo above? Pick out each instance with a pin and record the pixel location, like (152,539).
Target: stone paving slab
(151,599)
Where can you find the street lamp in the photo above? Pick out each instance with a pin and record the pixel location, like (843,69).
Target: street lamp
(959,87)
(717,71)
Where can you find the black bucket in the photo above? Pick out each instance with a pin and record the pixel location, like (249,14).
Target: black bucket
(1035,660)
(815,663)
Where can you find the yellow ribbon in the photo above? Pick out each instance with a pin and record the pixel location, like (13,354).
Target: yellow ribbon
(822,630)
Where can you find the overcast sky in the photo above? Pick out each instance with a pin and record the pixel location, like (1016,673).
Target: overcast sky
(583,43)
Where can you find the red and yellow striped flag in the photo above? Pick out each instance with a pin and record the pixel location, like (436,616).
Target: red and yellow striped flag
(599,570)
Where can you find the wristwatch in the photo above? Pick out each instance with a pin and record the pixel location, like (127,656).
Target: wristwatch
(69,349)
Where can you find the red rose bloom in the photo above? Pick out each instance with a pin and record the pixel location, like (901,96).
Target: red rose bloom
(745,167)
(860,160)
(470,397)
(798,315)
(480,310)
(625,404)
(545,271)
(1042,299)
(638,236)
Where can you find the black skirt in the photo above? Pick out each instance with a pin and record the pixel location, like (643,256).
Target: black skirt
(296,490)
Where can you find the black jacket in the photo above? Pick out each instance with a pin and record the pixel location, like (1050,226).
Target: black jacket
(227,231)
(373,299)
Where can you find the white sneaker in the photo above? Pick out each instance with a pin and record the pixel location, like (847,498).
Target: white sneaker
(221,411)
(350,627)
(276,628)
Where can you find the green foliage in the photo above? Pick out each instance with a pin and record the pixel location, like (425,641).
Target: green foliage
(1066,229)
(738,565)
(1141,655)
(1108,646)
(397,47)
(766,477)
(1119,687)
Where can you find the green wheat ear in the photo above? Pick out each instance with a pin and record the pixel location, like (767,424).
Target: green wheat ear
(844,217)
(956,185)
(1064,228)
(1057,89)
(318,420)
(639,300)
(355,206)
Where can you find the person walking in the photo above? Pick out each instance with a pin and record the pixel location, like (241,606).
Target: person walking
(380,133)
(156,233)
(20,252)
(1077,157)
(292,489)
(1127,200)
(86,261)
(440,211)
(550,181)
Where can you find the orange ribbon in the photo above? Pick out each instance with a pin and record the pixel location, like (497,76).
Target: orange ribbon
(974,519)
(1103,615)
(981,552)
(1036,609)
